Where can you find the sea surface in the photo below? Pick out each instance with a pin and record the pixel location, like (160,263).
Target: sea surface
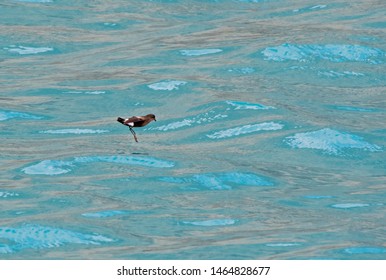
(269,143)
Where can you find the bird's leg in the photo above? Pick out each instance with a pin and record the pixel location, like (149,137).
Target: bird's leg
(133,132)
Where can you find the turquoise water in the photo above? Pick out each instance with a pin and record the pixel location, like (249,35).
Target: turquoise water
(269,141)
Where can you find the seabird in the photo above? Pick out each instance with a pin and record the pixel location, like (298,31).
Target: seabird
(135,121)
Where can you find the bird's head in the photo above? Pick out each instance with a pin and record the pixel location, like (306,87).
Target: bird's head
(151,116)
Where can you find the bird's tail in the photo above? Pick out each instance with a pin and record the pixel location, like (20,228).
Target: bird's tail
(122,121)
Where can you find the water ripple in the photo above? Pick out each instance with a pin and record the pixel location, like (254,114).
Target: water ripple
(211,223)
(330,52)
(199,52)
(37,236)
(242,105)
(246,129)
(57,167)
(104,214)
(73,131)
(207,117)
(6,115)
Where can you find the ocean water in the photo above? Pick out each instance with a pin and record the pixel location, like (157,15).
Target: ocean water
(269,141)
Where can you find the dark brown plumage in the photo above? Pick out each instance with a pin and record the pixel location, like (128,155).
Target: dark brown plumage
(135,121)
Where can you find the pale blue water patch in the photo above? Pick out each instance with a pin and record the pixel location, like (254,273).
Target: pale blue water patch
(297,10)
(112,25)
(377,24)
(104,214)
(252,1)
(241,105)
(365,250)
(282,244)
(131,160)
(347,75)
(220,181)
(326,72)
(318,196)
(30,236)
(242,70)
(330,141)
(35,1)
(211,182)
(246,129)
(92,92)
(6,115)
(74,131)
(353,109)
(57,167)
(211,223)
(199,52)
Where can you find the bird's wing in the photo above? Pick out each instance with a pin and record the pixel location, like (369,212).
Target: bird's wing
(131,121)
(135,119)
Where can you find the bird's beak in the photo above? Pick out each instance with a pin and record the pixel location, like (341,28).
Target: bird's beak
(155,120)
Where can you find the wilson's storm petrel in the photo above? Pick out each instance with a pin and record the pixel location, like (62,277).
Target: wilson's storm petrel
(136,122)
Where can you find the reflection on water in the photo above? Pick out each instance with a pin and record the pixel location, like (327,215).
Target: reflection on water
(270,129)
